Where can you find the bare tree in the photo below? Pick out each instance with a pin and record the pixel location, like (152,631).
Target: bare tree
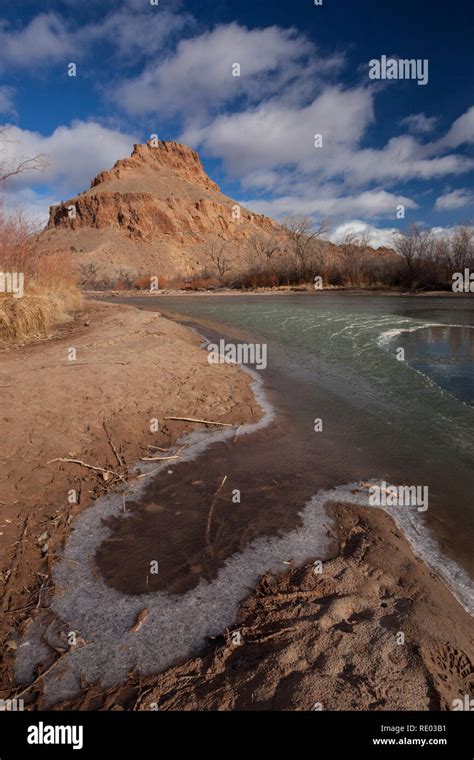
(216,252)
(262,250)
(265,246)
(12,167)
(461,248)
(414,246)
(303,236)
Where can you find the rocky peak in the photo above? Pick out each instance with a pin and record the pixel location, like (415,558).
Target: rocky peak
(164,157)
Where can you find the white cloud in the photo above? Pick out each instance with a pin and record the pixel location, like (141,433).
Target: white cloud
(7,106)
(133,30)
(198,76)
(378,237)
(461,132)
(275,134)
(419,123)
(403,158)
(44,40)
(34,205)
(371,204)
(75,154)
(455,199)
(136,31)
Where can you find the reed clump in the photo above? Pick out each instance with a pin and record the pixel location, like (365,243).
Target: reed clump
(38,288)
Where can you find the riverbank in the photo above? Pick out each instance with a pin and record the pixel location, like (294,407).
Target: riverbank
(274,291)
(328,639)
(131,368)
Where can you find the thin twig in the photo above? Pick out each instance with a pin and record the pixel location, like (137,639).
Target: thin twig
(14,565)
(117,455)
(84,464)
(203,422)
(209,517)
(159,459)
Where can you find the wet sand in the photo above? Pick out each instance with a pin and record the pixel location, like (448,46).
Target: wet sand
(364,634)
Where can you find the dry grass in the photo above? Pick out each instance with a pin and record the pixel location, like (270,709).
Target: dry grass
(50,290)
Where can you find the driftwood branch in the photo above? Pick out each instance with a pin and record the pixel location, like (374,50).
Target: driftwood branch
(159,459)
(84,464)
(202,422)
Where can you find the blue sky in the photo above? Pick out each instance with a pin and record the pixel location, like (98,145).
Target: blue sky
(304,70)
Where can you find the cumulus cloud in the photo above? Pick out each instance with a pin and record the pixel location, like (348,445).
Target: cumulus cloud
(274,134)
(74,154)
(136,30)
(198,76)
(460,133)
(48,39)
(455,199)
(45,39)
(419,123)
(377,237)
(370,203)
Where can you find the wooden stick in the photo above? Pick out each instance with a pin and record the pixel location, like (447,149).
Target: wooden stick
(117,455)
(6,593)
(84,464)
(203,422)
(209,517)
(159,459)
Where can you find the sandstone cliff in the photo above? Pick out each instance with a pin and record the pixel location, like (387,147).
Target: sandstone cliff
(156,212)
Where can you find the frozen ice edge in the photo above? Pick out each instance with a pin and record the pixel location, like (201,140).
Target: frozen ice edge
(177,626)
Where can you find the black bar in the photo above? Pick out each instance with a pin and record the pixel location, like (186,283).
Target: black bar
(316,734)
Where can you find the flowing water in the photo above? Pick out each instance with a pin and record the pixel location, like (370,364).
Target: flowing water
(337,357)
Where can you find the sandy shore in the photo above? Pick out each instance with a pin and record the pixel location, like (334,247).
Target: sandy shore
(306,640)
(132,366)
(276,291)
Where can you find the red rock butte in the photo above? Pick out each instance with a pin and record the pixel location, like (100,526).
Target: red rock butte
(156,212)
